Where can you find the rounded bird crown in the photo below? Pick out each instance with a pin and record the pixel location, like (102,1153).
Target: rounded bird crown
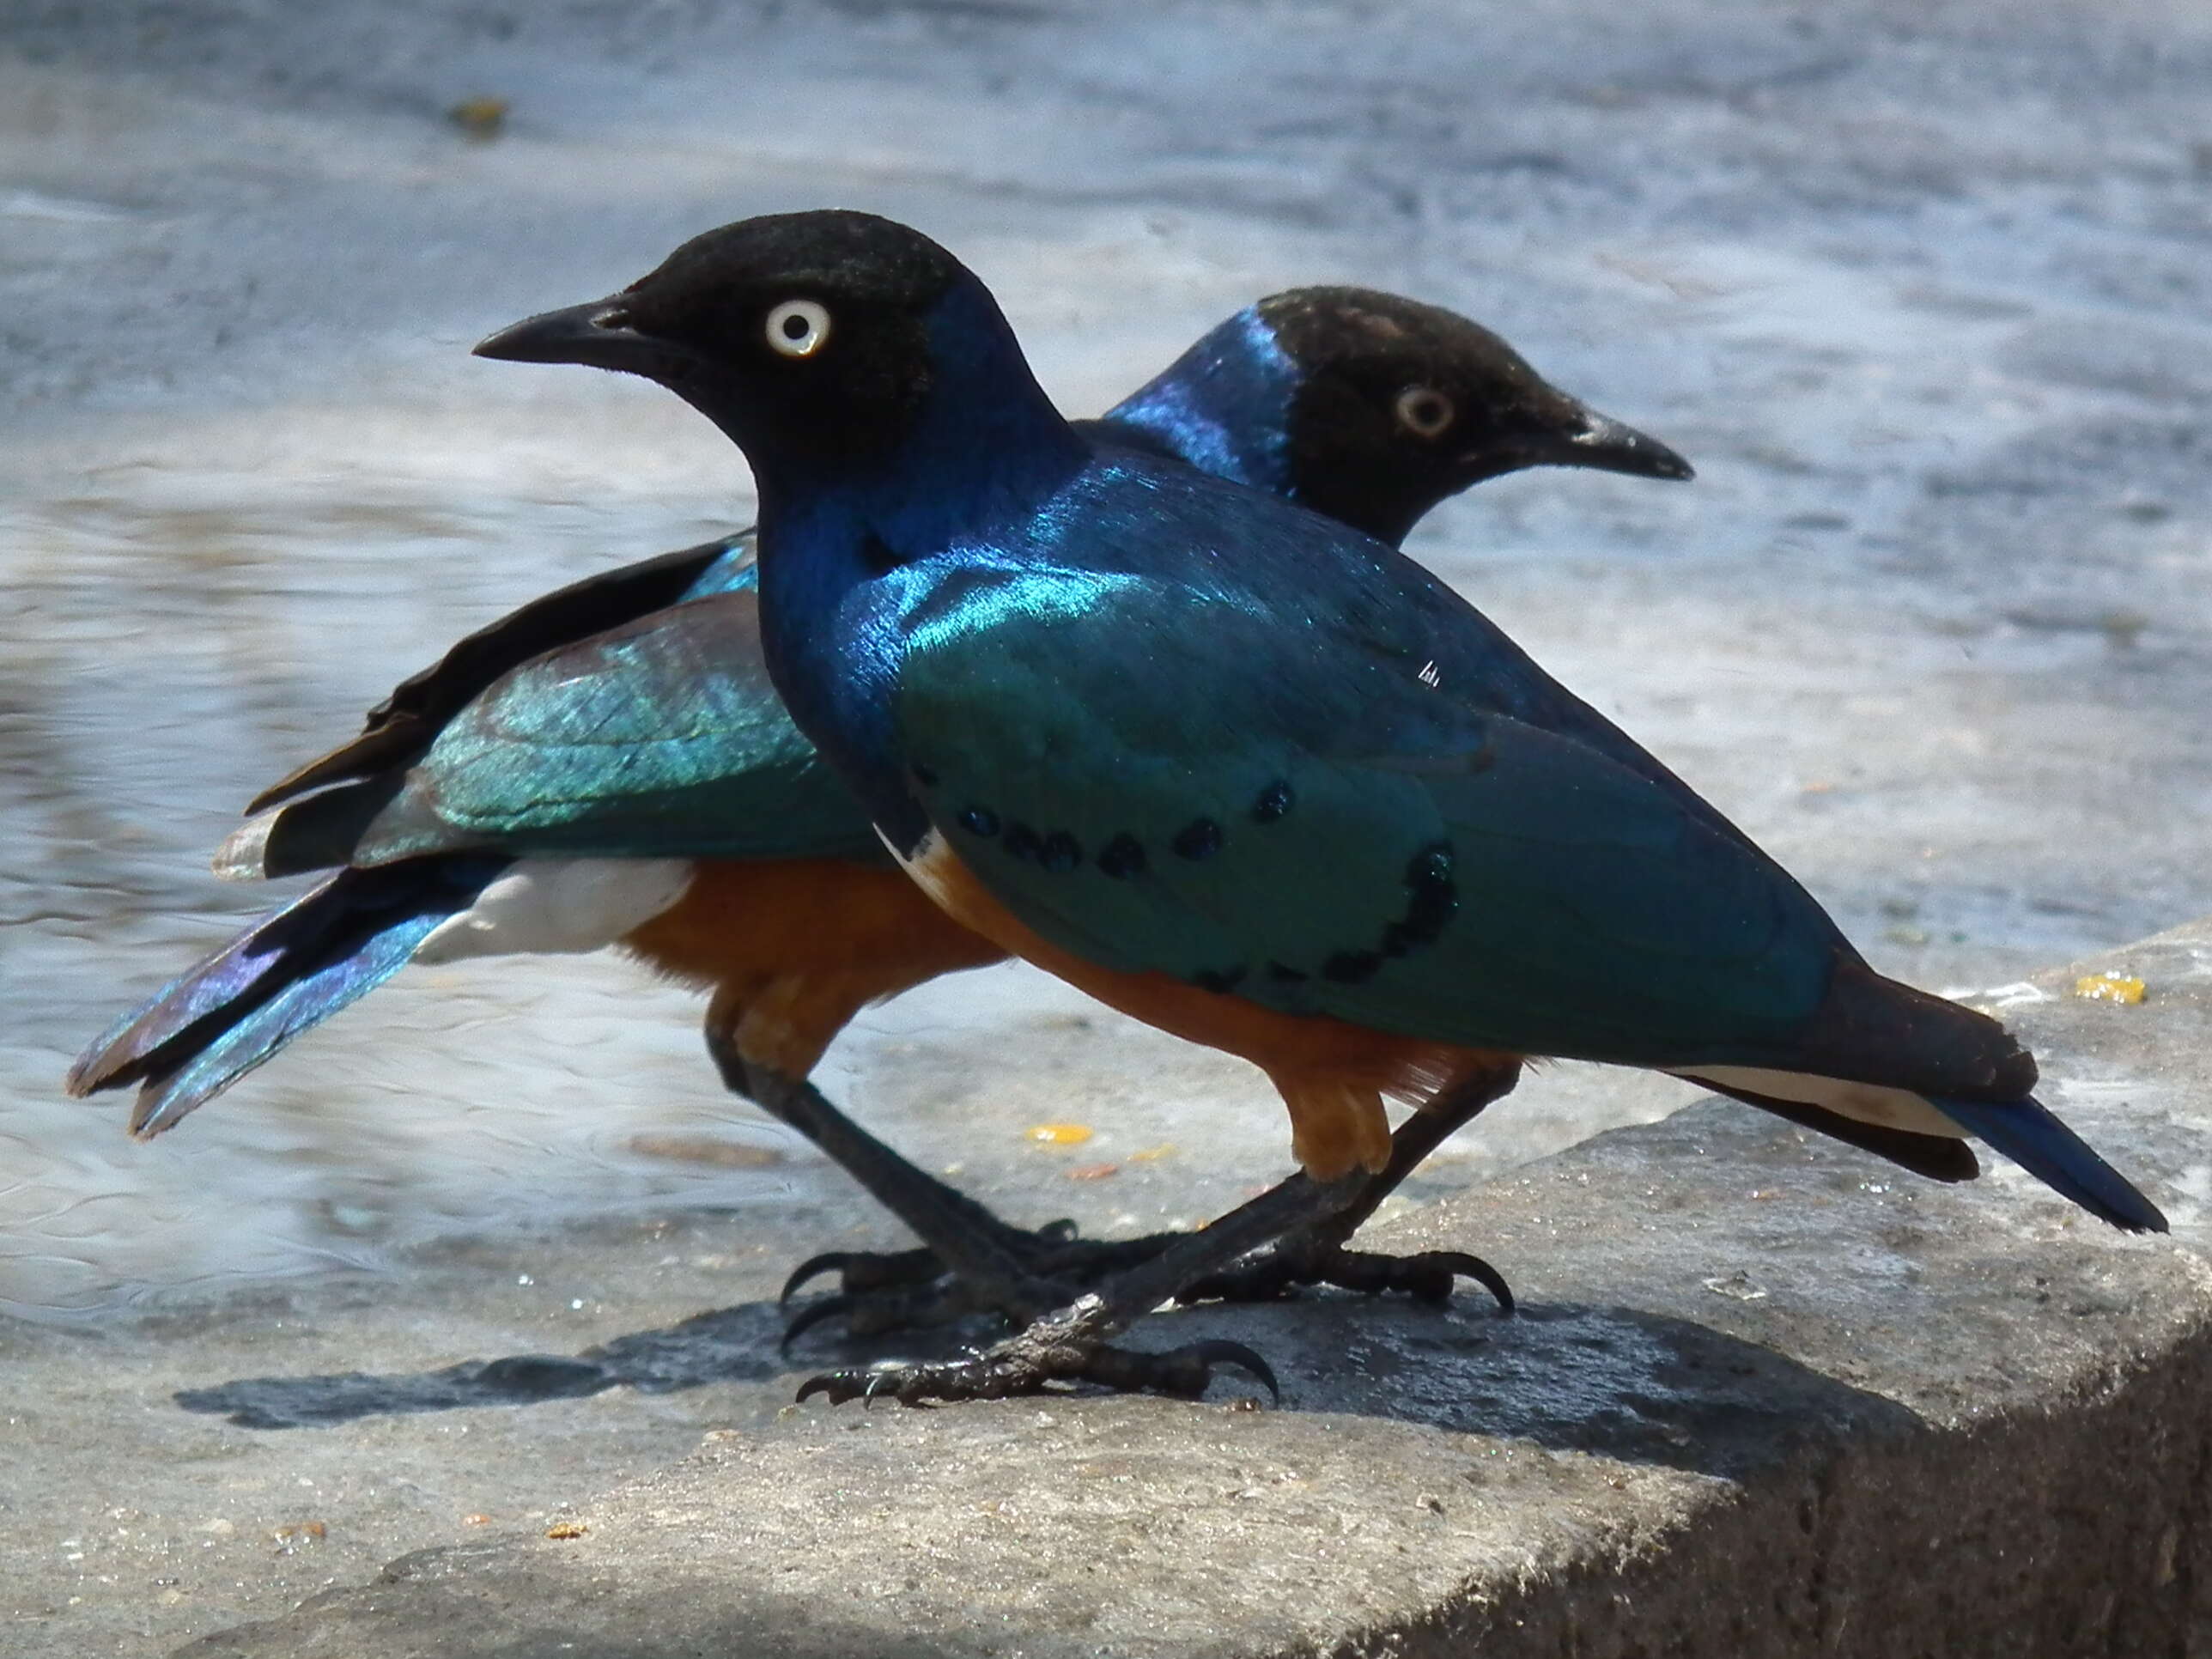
(1399,403)
(789,329)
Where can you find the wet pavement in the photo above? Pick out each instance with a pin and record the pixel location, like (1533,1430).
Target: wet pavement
(1922,290)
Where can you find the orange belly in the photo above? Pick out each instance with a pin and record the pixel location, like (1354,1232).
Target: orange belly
(1331,1075)
(794,949)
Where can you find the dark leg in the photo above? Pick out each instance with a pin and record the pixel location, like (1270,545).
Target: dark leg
(1316,1253)
(1069,1344)
(986,1253)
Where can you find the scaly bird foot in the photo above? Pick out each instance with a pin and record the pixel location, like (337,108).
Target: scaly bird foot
(906,1291)
(1068,1347)
(860,1272)
(880,1292)
(1429,1276)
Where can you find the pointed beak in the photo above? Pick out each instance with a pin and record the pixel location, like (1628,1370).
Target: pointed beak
(1586,438)
(596,335)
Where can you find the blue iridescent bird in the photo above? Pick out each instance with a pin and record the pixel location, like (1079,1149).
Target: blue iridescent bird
(609,765)
(1242,773)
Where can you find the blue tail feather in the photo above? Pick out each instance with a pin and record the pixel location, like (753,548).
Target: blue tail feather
(2032,1138)
(285,975)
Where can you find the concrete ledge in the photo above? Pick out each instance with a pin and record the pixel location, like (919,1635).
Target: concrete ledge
(1767,1398)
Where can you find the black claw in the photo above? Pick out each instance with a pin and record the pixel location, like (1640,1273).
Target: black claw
(1474,1266)
(1184,1372)
(1430,1277)
(909,1385)
(840,1387)
(830,1307)
(1062,1232)
(813,1267)
(1220,1351)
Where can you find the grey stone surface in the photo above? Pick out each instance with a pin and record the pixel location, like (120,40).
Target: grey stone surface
(1921,285)
(1766,1398)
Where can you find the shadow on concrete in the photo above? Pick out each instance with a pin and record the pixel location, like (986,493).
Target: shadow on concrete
(731,1345)
(1615,1381)
(1569,1377)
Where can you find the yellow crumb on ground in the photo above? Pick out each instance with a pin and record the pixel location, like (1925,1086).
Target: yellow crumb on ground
(1059,1134)
(2110,987)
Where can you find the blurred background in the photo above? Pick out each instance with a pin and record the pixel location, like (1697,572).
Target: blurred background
(1925,289)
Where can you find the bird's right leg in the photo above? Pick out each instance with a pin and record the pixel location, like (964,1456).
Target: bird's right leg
(1316,1254)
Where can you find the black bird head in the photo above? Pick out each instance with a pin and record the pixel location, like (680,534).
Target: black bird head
(1399,404)
(810,338)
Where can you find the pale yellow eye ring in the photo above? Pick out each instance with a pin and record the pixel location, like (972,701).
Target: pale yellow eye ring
(1423,411)
(798,328)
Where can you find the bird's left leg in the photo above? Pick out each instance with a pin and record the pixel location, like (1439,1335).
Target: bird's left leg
(1316,1254)
(1071,1344)
(957,1234)
(763,1035)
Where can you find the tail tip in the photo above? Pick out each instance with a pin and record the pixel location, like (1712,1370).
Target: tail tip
(2031,1136)
(2144,1216)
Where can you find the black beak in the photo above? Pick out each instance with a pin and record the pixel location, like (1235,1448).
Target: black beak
(1582,437)
(595,335)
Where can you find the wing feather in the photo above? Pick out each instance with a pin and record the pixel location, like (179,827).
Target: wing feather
(1323,830)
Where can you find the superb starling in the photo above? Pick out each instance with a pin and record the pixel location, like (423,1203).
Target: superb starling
(1242,772)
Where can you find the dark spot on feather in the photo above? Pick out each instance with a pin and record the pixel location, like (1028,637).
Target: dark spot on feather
(1199,839)
(1220,984)
(1284,976)
(1121,857)
(1061,851)
(979,821)
(1434,898)
(1023,842)
(1426,915)
(1351,967)
(1274,801)
(1431,866)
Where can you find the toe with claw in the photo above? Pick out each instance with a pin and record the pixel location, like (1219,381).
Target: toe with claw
(860,1272)
(1429,1276)
(1065,1348)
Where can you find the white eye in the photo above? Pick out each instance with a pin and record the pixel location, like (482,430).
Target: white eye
(1423,411)
(798,328)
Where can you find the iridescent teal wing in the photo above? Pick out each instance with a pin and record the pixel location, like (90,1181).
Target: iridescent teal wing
(1158,777)
(662,738)
(404,724)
